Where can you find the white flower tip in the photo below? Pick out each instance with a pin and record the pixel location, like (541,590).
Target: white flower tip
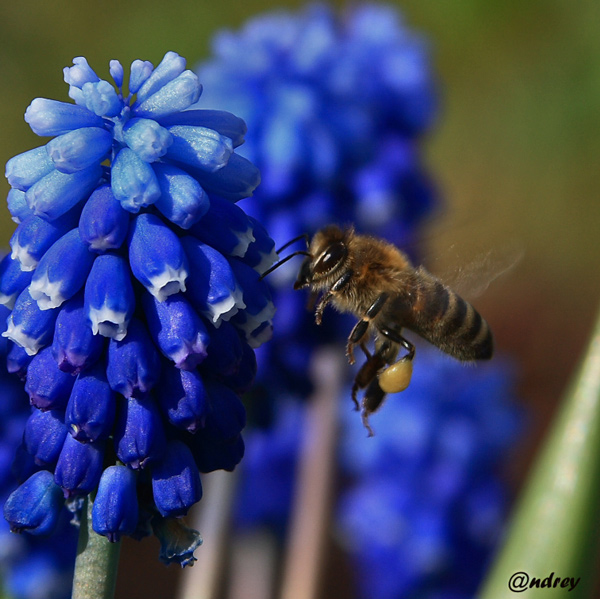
(244,240)
(8,300)
(16,334)
(48,295)
(26,260)
(169,282)
(109,323)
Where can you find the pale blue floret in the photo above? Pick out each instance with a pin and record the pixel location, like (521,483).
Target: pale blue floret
(170,67)
(23,170)
(225,123)
(62,271)
(147,138)
(199,147)
(79,149)
(182,199)
(77,76)
(101,98)
(29,326)
(133,181)
(116,72)
(156,257)
(213,288)
(17,205)
(176,95)
(49,118)
(57,192)
(138,74)
(109,298)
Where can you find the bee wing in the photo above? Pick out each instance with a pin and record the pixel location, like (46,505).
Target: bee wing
(470,277)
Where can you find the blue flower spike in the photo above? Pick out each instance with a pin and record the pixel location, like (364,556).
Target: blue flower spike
(108,322)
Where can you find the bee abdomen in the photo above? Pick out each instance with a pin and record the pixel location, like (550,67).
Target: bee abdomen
(449,322)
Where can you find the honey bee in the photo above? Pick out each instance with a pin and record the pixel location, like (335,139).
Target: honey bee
(376,282)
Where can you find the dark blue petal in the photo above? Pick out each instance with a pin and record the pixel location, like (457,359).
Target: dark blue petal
(75,347)
(176,481)
(242,379)
(115,510)
(109,300)
(79,466)
(177,541)
(48,387)
(261,253)
(222,122)
(225,350)
(23,170)
(133,181)
(57,192)
(79,149)
(212,287)
(259,308)
(91,409)
(182,200)
(139,435)
(225,227)
(177,330)
(199,147)
(227,415)
(156,257)
(35,506)
(17,360)
(13,280)
(44,436)
(51,117)
(28,326)
(62,271)
(35,235)
(213,454)
(103,224)
(176,95)
(182,398)
(133,363)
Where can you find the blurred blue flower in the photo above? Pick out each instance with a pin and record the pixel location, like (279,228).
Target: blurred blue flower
(336,114)
(114,291)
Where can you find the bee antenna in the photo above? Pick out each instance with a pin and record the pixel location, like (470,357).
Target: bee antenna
(286,245)
(284,260)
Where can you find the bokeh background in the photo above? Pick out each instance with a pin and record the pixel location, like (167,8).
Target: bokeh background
(515,155)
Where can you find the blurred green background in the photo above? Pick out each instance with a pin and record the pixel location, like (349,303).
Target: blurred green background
(515,153)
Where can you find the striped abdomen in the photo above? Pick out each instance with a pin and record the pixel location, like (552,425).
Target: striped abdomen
(443,318)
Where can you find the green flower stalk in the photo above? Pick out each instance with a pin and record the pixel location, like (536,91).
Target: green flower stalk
(553,538)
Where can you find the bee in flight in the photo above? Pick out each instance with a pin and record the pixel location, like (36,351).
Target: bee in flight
(376,282)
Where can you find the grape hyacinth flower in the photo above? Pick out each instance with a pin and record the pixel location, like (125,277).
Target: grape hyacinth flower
(131,321)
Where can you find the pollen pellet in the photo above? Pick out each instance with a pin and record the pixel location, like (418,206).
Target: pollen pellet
(397,377)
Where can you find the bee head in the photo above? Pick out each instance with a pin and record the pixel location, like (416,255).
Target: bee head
(328,252)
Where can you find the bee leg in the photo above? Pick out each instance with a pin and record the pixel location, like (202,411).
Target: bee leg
(361,327)
(371,402)
(367,373)
(398,338)
(328,296)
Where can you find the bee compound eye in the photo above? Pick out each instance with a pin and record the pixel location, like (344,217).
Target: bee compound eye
(332,256)
(396,377)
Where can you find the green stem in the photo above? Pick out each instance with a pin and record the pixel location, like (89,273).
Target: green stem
(555,527)
(96,563)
